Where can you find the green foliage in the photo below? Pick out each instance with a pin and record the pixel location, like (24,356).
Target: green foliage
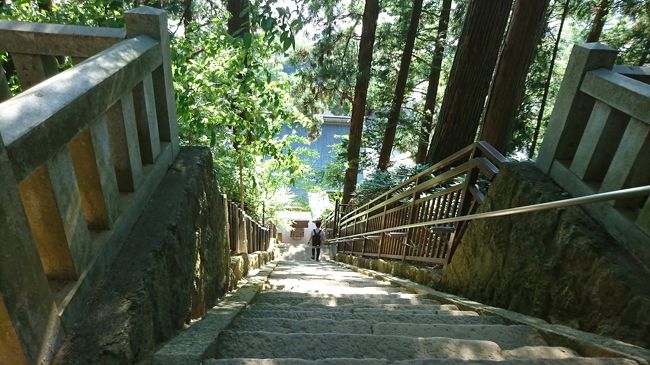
(231,93)
(380,182)
(233,97)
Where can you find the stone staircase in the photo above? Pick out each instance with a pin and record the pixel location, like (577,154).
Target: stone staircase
(320,313)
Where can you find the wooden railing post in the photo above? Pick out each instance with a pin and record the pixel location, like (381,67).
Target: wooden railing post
(153,23)
(28,315)
(572,106)
(411,218)
(383,226)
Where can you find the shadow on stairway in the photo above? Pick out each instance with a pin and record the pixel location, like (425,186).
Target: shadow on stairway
(300,311)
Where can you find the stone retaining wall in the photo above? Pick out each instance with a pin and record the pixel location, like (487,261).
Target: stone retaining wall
(173,265)
(420,275)
(558,265)
(241,264)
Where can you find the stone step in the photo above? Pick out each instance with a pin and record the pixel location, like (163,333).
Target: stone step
(264,345)
(314,325)
(507,337)
(313,288)
(569,361)
(370,310)
(380,316)
(316,305)
(278,297)
(302,280)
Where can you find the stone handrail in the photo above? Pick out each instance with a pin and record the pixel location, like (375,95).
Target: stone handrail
(80,154)
(598,140)
(246,234)
(36,49)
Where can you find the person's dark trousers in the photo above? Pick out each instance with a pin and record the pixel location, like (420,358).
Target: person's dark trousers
(315,252)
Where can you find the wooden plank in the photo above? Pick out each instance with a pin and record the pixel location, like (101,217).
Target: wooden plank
(630,96)
(75,97)
(463,153)
(56,39)
(446,176)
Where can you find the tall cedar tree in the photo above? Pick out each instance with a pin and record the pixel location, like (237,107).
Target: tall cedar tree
(369,25)
(238,26)
(602,10)
(547,84)
(470,76)
(400,87)
(434,78)
(509,81)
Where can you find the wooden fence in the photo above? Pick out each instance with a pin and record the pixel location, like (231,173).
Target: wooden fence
(246,234)
(450,188)
(598,140)
(80,153)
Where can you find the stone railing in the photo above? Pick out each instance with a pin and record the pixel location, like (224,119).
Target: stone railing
(246,234)
(598,140)
(80,153)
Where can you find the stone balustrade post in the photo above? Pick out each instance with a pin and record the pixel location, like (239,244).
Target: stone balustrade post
(28,316)
(572,106)
(153,23)
(4,86)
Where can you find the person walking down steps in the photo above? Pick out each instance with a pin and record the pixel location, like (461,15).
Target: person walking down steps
(317,237)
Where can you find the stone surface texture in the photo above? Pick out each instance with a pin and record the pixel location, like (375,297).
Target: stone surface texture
(558,265)
(171,268)
(322,313)
(242,264)
(421,275)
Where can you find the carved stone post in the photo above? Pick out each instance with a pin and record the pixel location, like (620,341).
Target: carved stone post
(28,316)
(572,106)
(153,23)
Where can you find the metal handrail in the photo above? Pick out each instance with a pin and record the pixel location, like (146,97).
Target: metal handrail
(588,199)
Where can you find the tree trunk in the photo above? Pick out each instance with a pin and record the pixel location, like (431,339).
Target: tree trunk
(238,25)
(470,77)
(369,25)
(45,5)
(400,86)
(239,22)
(547,84)
(434,79)
(509,82)
(602,10)
(188,13)
(644,56)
